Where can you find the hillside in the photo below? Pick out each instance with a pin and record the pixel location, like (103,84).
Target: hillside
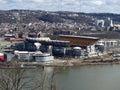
(27,16)
(55,23)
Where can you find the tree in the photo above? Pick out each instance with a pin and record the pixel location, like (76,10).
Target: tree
(24,79)
(14,79)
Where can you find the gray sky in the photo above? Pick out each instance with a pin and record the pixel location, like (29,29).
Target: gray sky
(101,6)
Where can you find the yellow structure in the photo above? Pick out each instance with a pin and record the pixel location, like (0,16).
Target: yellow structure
(79,40)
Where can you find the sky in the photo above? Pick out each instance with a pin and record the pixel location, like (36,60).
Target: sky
(88,6)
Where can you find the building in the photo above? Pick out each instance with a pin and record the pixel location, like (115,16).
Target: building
(100,23)
(67,45)
(87,44)
(110,42)
(111,45)
(9,37)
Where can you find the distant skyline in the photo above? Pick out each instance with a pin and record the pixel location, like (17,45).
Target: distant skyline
(88,6)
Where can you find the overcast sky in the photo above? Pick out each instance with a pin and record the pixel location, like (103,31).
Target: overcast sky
(101,6)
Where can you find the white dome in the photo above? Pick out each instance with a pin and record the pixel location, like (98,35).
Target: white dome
(77,48)
(100,44)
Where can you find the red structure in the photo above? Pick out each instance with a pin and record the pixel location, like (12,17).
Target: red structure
(2,57)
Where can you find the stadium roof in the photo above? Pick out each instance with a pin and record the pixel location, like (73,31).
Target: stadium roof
(86,37)
(79,40)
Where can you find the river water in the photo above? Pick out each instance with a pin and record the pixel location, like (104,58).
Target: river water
(91,77)
(88,77)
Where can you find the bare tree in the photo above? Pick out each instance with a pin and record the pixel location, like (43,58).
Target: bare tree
(14,79)
(46,79)
(25,79)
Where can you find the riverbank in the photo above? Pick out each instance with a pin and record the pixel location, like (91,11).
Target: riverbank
(61,62)
(98,60)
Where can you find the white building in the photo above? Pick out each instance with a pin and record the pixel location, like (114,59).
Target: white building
(110,42)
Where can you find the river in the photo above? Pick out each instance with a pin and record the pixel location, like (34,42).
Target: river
(89,77)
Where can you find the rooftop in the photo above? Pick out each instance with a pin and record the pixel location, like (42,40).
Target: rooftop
(86,37)
(79,40)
